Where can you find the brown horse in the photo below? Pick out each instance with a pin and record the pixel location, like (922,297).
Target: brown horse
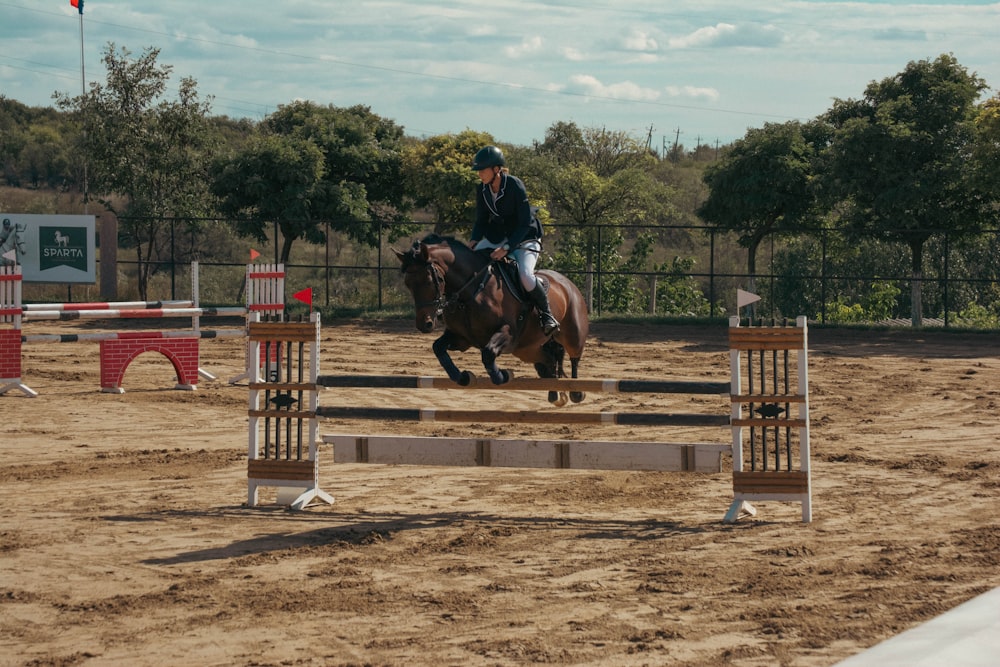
(464,288)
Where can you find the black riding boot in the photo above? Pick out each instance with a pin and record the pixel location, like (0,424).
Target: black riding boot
(550,324)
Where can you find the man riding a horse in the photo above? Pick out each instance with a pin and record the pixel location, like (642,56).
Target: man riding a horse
(505,224)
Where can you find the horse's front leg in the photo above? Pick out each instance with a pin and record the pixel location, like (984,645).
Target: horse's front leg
(498,343)
(441,347)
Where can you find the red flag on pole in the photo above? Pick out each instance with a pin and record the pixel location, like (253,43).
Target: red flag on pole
(305,296)
(78,4)
(253,254)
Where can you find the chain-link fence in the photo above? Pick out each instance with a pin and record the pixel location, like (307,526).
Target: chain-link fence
(686,271)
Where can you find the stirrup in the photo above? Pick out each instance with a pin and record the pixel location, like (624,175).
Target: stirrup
(550,325)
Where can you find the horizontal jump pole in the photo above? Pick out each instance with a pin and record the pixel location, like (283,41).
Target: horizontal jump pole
(508,453)
(527,384)
(137,313)
(106,305)
(522,416)
(131,335)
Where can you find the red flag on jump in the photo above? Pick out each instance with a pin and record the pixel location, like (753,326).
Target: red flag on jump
(305,296)
(78,4)
(253,254)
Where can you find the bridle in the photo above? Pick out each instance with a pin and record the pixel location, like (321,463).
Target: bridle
(444,302)
(437,278)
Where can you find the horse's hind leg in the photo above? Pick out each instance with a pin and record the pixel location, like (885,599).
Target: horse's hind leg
(552,368)
(575,396)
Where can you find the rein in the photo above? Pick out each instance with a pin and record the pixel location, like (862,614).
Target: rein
(443,302)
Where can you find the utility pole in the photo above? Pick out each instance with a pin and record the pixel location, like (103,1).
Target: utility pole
(674,157)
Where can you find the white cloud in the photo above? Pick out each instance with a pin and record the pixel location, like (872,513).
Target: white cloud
(642,59)
(694,92)
(527,46)
(729,35)
(639,40)
(573,54)
(625,90)
(483,30)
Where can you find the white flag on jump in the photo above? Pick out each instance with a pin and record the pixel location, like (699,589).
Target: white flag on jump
(744,298)
(10,254)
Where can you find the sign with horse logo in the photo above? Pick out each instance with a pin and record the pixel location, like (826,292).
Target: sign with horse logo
(50,248)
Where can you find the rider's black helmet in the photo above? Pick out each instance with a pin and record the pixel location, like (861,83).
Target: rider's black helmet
(6,222)
(488,156)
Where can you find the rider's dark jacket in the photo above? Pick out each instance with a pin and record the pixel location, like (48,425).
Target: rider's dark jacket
(508,217)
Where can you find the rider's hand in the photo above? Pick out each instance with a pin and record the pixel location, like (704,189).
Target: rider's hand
(498,254)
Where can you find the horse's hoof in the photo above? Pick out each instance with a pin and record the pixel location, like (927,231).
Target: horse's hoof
(558,398)
(502,376)
(577,396)
(466,379)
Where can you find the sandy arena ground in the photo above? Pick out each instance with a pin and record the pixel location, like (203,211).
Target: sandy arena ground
(125,540)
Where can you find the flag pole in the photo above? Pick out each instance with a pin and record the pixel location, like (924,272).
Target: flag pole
(83,93)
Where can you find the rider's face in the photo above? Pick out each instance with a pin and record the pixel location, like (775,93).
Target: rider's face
(486,175)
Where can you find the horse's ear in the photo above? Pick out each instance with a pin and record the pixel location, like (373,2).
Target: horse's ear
(401,256)
(424,252)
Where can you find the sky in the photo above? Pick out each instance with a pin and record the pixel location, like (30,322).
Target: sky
(687,71)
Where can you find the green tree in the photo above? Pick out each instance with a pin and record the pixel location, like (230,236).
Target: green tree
(35,149)
(439,170)
(986,151)
(363,161)
(147,156)
(761,186)
(592,179)
(357,187)
(564,142)
(273,179)
(677,292)
(43,160)
(897,165)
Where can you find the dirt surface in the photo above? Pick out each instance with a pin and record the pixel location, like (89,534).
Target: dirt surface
(125,540)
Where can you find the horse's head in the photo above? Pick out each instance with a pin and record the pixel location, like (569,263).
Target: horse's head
(424,275)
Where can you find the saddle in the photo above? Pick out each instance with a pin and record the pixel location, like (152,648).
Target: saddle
(506,270)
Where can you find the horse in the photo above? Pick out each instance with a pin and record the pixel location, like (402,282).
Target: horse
(465,289)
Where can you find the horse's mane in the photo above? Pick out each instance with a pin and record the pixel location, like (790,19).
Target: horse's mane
(459,248)
(437,239)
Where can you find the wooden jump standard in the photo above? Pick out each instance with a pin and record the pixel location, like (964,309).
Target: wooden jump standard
(768,473)
(774,381)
